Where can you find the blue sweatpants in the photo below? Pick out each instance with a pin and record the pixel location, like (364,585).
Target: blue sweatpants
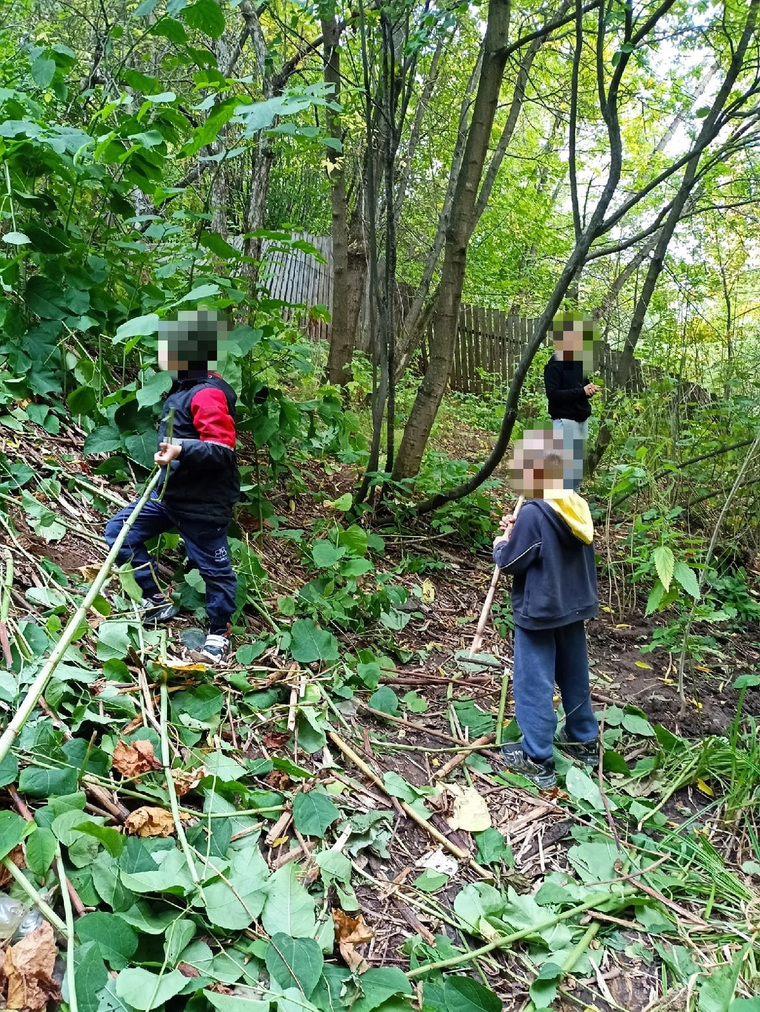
(206,547)
(543,657)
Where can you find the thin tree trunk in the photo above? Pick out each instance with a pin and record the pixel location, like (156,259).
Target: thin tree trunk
(460,230)
(341,336)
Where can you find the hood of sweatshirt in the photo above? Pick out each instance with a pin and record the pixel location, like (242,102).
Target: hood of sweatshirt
(570,513)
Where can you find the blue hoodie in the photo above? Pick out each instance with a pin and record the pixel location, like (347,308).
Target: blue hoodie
(551,556)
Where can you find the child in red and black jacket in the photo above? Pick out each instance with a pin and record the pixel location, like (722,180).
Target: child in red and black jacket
(203,483)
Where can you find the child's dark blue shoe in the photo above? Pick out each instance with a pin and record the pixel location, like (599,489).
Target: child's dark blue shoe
(586,752)
(540,773)
(158,609)
(216,648)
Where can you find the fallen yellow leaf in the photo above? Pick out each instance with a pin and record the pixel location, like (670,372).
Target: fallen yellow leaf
(705,788)
(428,591)
(643,664)
(470,810)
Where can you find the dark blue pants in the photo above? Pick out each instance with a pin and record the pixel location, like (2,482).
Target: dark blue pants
(206,547)
(543,657)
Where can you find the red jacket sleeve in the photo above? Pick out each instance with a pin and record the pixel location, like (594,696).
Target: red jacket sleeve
(215,426)
(211,417)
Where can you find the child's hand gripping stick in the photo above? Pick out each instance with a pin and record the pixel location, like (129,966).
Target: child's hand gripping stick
(507,523)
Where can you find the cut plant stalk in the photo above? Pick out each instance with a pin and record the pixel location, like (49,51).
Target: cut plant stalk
(38,686)
(171,791)
(6,582)
(477,641)
(42,905)
(73,1004)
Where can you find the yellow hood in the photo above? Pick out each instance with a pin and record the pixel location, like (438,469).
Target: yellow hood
(575,512)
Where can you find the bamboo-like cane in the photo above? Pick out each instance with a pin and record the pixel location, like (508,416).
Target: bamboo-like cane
(38,686)
(478,638)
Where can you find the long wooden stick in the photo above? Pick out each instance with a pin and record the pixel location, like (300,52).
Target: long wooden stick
(461,855)
(478,638)
(38,686)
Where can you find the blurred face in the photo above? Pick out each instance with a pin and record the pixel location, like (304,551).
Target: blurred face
(192,342)
(538,464)
(576,339)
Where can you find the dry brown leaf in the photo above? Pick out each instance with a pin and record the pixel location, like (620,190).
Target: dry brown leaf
(186,780)
(278,780)
(17,856)
(28,971)
(276,740)
(188,971)
(350,932)
(147,821)
(135,759)
(89,573)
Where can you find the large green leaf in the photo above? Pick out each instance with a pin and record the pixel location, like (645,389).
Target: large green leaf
(664,563)
(154,389)
(138,326)
(115,939)
(580,785)
(145,990)
(310,643)
(8,770)
(380,984)
(288,908)
(39,783)
(206,16)
(82,400)
(686,576)
(90,976)
(463,994)
(313,813)
(247,876)
(296,961)
(326,554)
(716,992)
(43,71)
(113,640)
(13,829)
(40,851)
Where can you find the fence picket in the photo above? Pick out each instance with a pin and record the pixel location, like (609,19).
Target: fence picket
(488,340)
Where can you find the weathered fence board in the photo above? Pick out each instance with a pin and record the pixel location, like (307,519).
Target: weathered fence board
(489,341)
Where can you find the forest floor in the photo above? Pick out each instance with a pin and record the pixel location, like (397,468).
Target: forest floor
(634,889)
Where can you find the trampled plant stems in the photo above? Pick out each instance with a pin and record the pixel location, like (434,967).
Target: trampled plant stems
(503,940)
(73,1004)
(170,790)
(38,686)
(461,855)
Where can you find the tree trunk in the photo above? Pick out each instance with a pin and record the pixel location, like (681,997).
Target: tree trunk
(460,230)
(341,335)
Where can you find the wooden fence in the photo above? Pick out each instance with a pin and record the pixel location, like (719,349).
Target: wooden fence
(489,341)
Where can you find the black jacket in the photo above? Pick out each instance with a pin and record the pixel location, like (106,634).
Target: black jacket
(554,571)
(204,482)
(564,383)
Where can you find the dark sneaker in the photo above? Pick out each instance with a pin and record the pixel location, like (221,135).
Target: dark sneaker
(216,648)
(158,609)
(586,752)
(540,773)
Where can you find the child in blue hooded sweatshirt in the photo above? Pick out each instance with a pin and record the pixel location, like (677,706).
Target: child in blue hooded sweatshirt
(549,551)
